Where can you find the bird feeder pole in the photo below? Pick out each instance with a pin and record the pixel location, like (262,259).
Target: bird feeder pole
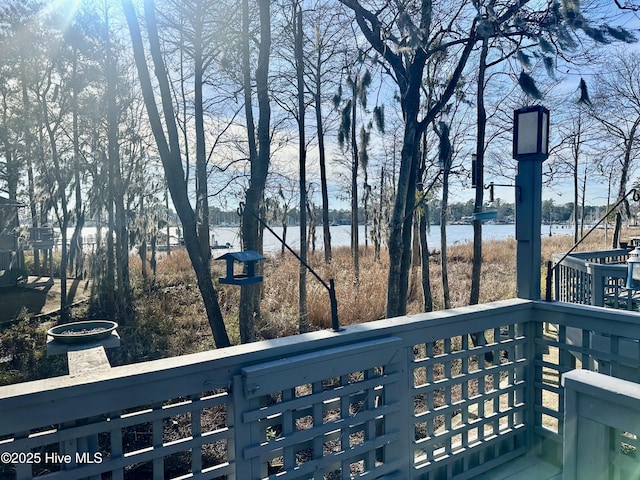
(335,324)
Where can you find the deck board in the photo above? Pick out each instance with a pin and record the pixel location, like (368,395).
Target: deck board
(524,468)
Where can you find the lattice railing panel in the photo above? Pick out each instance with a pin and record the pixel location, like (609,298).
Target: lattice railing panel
(468,399)
(171,439)
(334,419)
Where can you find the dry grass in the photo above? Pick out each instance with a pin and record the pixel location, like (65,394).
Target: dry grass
(174,304)
(358,300)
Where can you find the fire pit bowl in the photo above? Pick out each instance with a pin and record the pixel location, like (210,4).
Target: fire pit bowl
(82,332)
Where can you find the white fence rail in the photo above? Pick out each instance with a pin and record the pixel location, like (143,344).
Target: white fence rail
(406,398)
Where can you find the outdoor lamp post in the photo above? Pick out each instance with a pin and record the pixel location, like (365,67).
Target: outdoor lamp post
(530,149)
(633,270)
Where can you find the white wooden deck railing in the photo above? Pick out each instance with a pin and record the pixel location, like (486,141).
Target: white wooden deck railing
(594,278)
(403,398)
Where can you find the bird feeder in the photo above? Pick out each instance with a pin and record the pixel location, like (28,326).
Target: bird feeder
(249,259)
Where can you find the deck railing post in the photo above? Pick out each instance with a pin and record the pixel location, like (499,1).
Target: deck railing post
(401,451)
(532,396)
(559,272)
(245,434)
(597,284)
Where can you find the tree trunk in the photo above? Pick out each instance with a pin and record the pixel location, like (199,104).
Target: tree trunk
(443,239)
(323,171)
(108,292)
(312,222)
(405,196)
(123,297)
(76,254)
(251,228)
(576,222)
(365,207)
(606,221)
(422,227)
(28,140)
(407,231)
(303,319)
(355,241)
(153,262)
(377,221)
(481,121)
(424,250)
(168,226)
(142,250)
(284,236)
(624,178)
(116,182)
(62,212)
(64,261)
(415,280)
(33,207)
(582,202)
(202,193)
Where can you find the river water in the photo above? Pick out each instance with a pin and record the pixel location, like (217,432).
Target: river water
(341,235)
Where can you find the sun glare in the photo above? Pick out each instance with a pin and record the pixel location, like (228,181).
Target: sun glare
(66,9)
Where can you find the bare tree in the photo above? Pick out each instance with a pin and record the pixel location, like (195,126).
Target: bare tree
(321,71)
(193,32)
(358,82)
(481,126)
(401,36)
(408,34)
(117,183)
(616,105)
(298,36)
(259,157)
(578,136)
(169,150)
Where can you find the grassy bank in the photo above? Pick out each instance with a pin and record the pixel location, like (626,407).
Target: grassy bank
(170,318)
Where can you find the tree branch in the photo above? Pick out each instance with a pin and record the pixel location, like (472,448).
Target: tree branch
(371,27)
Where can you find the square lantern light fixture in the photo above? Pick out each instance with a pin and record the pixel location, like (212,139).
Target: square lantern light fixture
(531,133)
(633,270)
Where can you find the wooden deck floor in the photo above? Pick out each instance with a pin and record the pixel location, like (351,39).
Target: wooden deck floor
(524,468)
